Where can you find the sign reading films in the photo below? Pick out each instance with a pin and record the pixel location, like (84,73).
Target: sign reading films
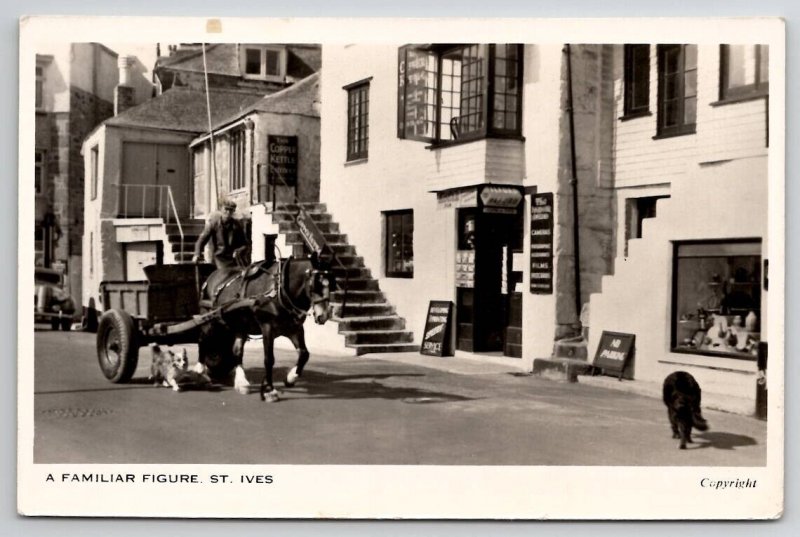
(282,160)
(542,244)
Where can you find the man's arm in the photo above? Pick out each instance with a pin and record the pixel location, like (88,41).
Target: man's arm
(203,239)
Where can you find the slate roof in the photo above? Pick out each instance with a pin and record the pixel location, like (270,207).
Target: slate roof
(221,58)
(184,109)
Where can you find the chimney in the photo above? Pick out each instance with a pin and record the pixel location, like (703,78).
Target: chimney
(124,93)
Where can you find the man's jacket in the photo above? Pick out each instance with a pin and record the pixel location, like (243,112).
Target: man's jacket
(226,238)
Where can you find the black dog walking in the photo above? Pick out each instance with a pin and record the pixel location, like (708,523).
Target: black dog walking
(682,397)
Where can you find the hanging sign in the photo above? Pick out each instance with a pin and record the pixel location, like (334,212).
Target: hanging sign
(282,160)
(614,352)
(311,234)
(542,244)
(498,199)
(436,337)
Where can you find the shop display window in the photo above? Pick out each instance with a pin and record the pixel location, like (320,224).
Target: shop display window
(717,298)
(399,244)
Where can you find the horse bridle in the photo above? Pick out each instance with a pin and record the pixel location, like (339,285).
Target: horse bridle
(312,275)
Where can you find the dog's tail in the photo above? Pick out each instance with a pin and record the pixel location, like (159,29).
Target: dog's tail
(699,421)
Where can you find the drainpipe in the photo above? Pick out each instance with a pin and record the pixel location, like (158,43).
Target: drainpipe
(574,182)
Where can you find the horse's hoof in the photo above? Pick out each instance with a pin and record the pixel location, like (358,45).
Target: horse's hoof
(291,377)
(243,390)
(272,397)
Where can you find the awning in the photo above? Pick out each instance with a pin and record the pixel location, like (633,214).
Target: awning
(501,197)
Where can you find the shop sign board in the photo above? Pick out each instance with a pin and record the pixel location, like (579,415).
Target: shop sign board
(457,198)
(311,234)
(614,352)
(541,277)
(501,200)
(282,168)
(436,337)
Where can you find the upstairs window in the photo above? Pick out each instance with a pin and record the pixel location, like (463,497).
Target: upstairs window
(637,80)
(38,172)
(357,120)
(262,62)
(744,71)
(677,89)
(463,92)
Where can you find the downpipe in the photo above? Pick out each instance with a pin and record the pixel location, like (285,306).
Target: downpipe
(574,182)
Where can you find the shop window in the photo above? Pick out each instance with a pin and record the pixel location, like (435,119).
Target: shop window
(237,159)
(357,120)
(463,92)
(267,63)
(399,244)
(717,298)
(38,172)
(637,80)
(677,90)
(744,71)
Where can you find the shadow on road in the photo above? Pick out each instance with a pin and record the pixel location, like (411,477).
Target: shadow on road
(138,383)
(726,441)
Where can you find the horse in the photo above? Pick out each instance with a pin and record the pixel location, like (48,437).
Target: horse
(275,299)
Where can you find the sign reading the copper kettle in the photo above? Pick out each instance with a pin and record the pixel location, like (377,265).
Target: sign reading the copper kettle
(282,160)
(542,244)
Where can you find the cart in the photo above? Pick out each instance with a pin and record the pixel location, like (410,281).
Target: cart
(164,309)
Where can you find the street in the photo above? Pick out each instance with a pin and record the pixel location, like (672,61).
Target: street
(360,410)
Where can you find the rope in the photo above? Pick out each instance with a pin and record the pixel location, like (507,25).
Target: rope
(210,128)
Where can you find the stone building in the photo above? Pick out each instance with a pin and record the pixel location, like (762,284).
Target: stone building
(75,90)
(551,193)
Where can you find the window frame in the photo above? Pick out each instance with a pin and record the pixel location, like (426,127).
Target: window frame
(630,110)
(682,128)
(94,170)
(264,51)
(39,171)
(358,133)
(675,314)
(756,90)
(487,95)
(387,217)
(237,165)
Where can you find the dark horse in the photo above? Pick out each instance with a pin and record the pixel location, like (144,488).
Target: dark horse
(270,299)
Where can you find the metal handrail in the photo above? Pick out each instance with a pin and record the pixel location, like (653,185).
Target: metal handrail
(163,207)
(177,218)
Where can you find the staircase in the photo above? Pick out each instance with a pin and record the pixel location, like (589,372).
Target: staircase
(191,231)
(368,323)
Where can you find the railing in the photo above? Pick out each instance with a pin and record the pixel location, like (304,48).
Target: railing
(149,201)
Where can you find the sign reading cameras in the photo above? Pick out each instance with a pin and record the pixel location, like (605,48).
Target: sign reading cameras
(542,244)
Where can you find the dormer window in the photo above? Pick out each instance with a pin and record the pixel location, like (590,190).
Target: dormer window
(264,62)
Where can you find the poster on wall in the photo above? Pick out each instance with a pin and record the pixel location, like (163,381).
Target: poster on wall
(542,244)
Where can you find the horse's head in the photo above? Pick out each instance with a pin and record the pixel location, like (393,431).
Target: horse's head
(319,285)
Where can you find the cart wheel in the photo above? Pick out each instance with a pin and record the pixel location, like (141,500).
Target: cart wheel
(217,347)
(117,346)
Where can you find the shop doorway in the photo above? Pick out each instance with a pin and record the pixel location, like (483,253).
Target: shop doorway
(488,299)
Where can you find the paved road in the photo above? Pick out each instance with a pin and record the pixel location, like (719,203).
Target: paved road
(349,410)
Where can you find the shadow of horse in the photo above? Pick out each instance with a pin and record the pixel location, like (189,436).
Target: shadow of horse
(723,440)
(319,385)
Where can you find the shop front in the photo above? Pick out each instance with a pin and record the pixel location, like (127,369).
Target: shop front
(488,281)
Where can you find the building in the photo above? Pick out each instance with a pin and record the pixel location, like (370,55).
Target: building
(75,90)
(552,193)
(153,181)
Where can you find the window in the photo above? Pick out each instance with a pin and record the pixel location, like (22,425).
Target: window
(357,120)
(717,298)
(460,92)
(744,71)
(38,172)
(399,244)
(94,157)
(39,87)
(677,89)
(637,80)
(268,63)
(237,160)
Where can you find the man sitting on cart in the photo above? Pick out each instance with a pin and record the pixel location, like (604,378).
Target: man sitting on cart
(230,246)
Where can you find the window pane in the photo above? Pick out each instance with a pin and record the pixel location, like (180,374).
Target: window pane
(763,64)
(671,114)
(690,60)
(690,111)
(252,61)
(273,62)
(690,84)
(399,244)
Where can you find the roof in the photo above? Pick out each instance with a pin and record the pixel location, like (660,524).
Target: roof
(184,109)
(221,59)
(297,99)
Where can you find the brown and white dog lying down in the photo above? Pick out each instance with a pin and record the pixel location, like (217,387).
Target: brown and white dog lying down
(171,369)
(682,397)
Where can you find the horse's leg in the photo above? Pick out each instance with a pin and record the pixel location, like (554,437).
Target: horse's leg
(268,391)
(299,341)
(240,382)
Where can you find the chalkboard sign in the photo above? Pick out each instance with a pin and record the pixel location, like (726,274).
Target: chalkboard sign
(436,338)
(541,275)
(614,352)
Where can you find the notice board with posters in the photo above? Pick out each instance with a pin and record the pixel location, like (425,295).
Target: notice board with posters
(542,244)
(614,353)
(436,337)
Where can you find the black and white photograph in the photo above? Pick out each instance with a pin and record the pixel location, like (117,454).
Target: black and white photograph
(340,268)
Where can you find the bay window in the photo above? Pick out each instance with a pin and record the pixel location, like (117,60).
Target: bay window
(459,92)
